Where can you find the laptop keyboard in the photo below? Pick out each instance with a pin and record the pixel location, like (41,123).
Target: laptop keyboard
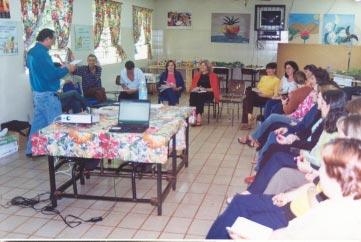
(129,129)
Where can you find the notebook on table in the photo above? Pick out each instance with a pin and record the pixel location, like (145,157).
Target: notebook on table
(133,116)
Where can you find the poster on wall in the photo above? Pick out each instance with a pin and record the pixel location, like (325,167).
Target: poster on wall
(303,28)
(4,9)
(230,28)
(338,29)
(179,20)
(9,42)
(82,37)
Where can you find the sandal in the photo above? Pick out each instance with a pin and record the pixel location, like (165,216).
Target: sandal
(249,179)
(248,142)
(245,126)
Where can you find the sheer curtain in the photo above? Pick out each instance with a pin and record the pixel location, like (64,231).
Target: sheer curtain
(142,19)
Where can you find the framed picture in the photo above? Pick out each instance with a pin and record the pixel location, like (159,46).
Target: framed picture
(179,20)
(338,29)
(269,17)
(303,28)
(4,9)
(230,28)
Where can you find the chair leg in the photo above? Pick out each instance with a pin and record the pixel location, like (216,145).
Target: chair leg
(209,111)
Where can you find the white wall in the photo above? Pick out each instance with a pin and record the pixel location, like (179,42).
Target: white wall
(195,43)
(15,92)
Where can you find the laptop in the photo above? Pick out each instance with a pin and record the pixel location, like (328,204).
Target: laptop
(133,116)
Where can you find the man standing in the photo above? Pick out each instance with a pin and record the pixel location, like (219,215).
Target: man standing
(45,82)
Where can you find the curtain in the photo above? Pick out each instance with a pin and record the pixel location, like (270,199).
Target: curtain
(61,14)
(31,11)
(114,10)
(142,19)
(148,30)
(100,6)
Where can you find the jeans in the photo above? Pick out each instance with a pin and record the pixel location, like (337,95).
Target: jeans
(72,100)
(256,207)
(268,122)
(268,168)
(271,140)
(272,106)
(169,95)
(47,107)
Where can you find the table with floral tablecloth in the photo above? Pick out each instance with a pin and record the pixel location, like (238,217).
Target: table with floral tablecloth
(95,140)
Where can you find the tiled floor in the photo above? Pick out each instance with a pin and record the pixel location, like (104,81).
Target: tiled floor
(218,165)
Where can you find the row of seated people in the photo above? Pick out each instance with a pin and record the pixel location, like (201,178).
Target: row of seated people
(204,88)
(308,182)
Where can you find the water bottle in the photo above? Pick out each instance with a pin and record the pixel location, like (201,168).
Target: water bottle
(143,92)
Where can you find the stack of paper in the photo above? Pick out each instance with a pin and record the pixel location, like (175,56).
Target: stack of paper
(8,145)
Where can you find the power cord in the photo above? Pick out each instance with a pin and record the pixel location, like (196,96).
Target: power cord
(70,220)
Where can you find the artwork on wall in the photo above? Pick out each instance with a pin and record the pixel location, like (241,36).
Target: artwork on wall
(4,9)
(83,37)
(303,28)
(9,43)
(230,28)
(179,20)
(338,28)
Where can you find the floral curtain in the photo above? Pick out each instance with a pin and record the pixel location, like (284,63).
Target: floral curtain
(31,11)
(142,19)
(61,14)
(114,10)
(100,6)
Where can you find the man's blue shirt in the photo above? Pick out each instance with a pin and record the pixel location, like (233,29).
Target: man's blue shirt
(44,76)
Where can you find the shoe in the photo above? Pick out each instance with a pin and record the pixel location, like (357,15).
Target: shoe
(3,132)
(249,179)
(29,155)
(244,126)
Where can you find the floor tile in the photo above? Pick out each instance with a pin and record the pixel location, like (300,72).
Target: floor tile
(133,221)
(155,223)
(178,225)
(144,234)
(51,229)
(97,232)
(166,235)
(122,233)
(200,227)
(186,210)
(12,222)
(31,225)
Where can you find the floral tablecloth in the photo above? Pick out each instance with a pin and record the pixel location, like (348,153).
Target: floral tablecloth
(95,141)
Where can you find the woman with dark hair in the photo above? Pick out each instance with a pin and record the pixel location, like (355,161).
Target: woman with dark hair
(288,84)
(263,130)
(332,106)
(267,88)
(329,210)
(205,88)
(171,84)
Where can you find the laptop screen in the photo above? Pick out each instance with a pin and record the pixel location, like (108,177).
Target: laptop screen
(133,112)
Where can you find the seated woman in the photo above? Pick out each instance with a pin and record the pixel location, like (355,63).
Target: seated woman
(171,84)
(266,88)
(288,84)
(130,79)
(323,211)
(91,79)
(205,88)
(332,106)
(319,76)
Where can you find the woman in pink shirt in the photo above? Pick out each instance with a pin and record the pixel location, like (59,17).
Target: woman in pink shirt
(171,84)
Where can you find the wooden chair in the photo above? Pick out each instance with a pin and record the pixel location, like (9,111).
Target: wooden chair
(234,97)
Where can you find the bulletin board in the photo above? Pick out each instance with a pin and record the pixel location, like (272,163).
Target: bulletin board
(332,56)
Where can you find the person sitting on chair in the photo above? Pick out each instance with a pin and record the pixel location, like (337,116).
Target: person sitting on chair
(205,88)
(91,82)
(266,89)
(130,79)
(171,84)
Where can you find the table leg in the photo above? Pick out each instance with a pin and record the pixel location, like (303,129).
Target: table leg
(159,189)
(52,181)
(174,163)
(187,145)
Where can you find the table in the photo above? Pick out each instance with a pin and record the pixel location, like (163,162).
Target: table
(167,125)
(187,68)
(253,71)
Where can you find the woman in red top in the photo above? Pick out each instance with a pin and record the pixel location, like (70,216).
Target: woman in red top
(205,88)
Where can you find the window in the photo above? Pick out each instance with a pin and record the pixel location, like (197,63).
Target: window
(106,52)
(141,48)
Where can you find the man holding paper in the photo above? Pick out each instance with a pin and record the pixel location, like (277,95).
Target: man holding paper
(91,79)
(45,82)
